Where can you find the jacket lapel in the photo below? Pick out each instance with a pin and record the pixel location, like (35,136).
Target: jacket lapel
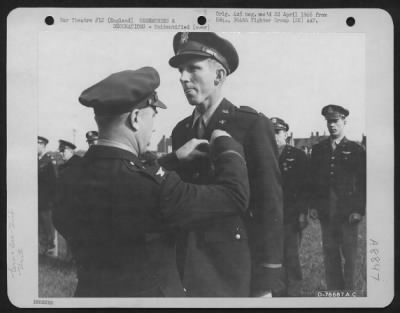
(220,118)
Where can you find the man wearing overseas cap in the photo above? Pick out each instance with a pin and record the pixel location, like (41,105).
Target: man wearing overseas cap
(120,216)
(338,168)
(46,192)
(293,164)
(213,259)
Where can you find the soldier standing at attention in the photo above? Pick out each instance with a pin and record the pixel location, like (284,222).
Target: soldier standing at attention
(120,216)
(46,192)
(293,165)
(213,258)
(338,169)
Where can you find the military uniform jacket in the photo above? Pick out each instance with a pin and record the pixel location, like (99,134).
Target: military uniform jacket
(343,170)
(217,261)
(293,165)
(119,218)
(71,162)
(46,182)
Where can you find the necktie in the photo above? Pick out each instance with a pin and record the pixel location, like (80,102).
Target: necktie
(333,145)
(199,127)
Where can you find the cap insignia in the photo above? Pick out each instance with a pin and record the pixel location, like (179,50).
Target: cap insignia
(184,37)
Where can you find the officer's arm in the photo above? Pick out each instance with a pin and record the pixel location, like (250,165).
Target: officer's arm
(313,181)
(267,204)
(361,180)
(52,177)
(184,203)
(170,161)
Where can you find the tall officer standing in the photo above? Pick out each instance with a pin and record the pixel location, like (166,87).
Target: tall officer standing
(46,192)
(293,164)
(120,216)
(338,168)
(214,257)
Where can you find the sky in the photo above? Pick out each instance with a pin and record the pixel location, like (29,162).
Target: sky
(286,75)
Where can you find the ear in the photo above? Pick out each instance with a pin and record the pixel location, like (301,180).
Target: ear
(220,76)
(286,135)
(134,119)
(344,121)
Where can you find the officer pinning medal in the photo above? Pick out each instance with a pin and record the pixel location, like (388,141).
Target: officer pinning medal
(119,216)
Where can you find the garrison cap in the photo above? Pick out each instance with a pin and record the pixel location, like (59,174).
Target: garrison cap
(42,140)
(124,91)
(65,144)
(92,135)
(204,44)
(279,124)
(334,112)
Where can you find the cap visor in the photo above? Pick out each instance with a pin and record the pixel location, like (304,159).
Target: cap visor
(160,104)
(185,56)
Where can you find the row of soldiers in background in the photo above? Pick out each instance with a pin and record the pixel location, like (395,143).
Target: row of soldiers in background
(48,171)
(332,185)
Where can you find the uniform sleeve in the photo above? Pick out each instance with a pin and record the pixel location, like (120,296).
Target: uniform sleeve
(361,181)
(51,181)
(266,192)
(313,185)
(169,161)
(183,204)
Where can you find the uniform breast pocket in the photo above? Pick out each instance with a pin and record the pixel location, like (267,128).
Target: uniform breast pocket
(346,159)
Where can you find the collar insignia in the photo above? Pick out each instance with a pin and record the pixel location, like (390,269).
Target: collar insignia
(160,172)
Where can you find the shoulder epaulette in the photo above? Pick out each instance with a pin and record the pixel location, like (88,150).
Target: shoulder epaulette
(248,109)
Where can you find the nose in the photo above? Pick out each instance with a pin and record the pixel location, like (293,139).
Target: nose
(184,76)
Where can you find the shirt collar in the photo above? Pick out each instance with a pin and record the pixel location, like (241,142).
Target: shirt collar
(206,116)
(338,140)
(115,144)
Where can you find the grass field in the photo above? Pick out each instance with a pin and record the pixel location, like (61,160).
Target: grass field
(58,278)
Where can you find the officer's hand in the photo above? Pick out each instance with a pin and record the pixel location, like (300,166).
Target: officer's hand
(313,214)
(194,148)
(354,218)
(303,222)
(218,133)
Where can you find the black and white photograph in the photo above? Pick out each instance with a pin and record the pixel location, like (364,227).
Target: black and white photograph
(184,162)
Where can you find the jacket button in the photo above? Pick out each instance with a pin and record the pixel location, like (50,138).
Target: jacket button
(237,236)
(331,173)
(184,290)
(332,158)
(196,175)
(332,165)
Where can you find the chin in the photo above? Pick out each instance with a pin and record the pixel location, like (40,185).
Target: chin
(192,101)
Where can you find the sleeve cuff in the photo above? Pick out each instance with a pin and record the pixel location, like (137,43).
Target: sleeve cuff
(223,144)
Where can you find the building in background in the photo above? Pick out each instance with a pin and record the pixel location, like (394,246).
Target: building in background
(165,145)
